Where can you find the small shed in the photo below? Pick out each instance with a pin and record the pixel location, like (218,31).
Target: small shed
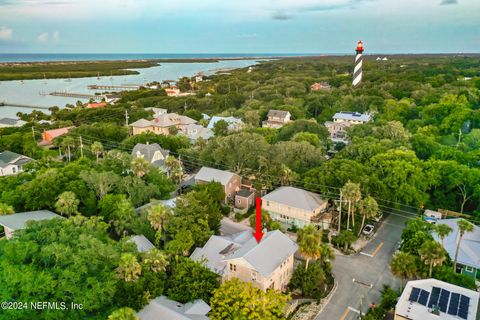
(244,199)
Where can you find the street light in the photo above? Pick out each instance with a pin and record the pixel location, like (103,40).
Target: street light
(363,285)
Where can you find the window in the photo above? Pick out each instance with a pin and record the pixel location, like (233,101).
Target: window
(268,203)
(254,276)
(468,269)
(14,169)
(233,267)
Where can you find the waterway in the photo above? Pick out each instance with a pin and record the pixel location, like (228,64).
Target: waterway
(32,92)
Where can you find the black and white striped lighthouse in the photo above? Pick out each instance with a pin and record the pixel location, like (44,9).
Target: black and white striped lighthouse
(357,72)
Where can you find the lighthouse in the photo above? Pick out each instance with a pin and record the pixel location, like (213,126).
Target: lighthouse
(357,72)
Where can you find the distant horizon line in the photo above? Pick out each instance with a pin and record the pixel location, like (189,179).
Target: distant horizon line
(231,53)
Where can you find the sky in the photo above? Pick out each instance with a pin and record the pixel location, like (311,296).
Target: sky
(239,26)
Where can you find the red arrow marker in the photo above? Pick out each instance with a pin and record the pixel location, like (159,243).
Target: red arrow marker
(258,225)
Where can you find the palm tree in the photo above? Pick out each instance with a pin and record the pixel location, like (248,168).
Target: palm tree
(6,209)
(157,216)
(463,227)
(432,254)
(403,266)
(129,269)
(310,243)
(286,175)
(67,203)
(68,142)
(368,208)
(174,167)
(140,167)
(97,149)
(351,192)
(155,260)
(442,230)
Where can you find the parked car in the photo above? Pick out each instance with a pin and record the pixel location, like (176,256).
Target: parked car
(368,229)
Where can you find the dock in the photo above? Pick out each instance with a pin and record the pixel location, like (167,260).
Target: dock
(114,87)
(19,105)
(77,95)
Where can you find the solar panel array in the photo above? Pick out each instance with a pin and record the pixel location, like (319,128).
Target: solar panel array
(452,303)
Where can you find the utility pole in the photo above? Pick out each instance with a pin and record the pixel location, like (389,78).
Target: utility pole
(459,137)
(340,213)
(33,132)
(81,147)
(363,285)
(126,118)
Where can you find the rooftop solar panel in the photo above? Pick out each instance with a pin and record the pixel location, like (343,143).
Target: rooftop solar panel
(414,294)
(434,296)
(463,307)
(443,301)
(463,313)
(454,302)
(423,298)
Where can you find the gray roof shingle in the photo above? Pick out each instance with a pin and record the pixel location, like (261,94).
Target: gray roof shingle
(469,253)
(143,244)
(296,198)
(210,174)
(264,257)
(18,221)
(162,308)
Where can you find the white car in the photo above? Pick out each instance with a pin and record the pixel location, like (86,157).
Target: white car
(368,229)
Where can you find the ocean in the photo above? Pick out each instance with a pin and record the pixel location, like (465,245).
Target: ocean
(44,57)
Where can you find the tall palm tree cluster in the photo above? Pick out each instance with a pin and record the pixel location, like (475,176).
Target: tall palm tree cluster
(367,207)
(311,246)
(404,265)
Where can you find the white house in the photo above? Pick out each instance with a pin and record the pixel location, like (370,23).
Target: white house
(18,221)
(12,163)
(432,299)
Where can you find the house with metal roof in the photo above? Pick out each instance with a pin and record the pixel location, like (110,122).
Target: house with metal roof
(10,122)
(161,124)
(153,153)
(195,131)
(12,163)
(267,264)
(162,308)
(234,124)
(277,119)
(142,243)
(294,206)
(432,299)
(18,221)
(230,181)
(344,120)
(468,261)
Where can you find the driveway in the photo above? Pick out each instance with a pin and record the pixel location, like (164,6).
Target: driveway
(229,227)
(369,267)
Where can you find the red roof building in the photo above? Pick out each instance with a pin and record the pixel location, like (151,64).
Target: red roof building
(49,135)
(97,105)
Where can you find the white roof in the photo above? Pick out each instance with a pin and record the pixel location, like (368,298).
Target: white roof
(143,244)
(416,311)
(232,121)
(210,174)
(352,116)
(469,253)
(296,198)
(19,221)
(162,308)
(265,257)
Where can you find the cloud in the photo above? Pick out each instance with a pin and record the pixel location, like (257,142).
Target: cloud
(446,2)
(281,16)
(6,33)
(43,37)
(56,36)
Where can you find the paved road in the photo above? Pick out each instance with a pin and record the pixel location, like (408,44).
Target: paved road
(372,268)
(228,227)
